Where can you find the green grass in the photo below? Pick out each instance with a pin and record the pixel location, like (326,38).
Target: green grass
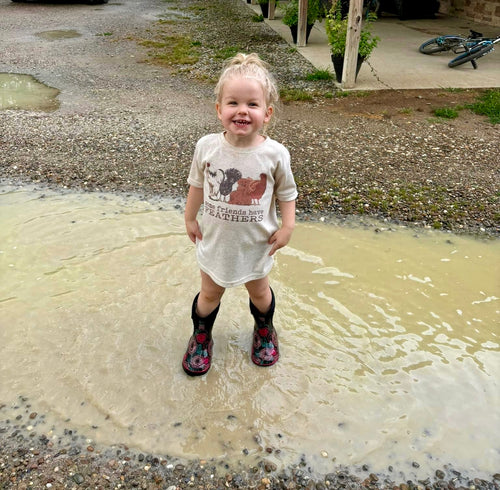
(406,110)
(173,50)
(445,112)
(319,75)
(227,52)
(294,94)
(197,8)
(488,104)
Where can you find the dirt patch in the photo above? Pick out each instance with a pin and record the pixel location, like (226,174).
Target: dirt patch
(386,154)
(404,105)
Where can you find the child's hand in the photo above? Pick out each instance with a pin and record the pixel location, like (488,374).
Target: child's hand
(280,239)
(193,230)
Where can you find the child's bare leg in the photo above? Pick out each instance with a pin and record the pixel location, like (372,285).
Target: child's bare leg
(210,295)
(260,294)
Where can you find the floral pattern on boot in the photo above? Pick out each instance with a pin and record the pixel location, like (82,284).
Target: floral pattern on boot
(198,357)
(265,349)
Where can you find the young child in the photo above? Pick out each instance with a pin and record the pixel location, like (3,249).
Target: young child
(238,175)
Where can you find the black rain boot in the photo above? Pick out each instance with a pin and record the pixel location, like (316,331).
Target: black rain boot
(265,350)
(198,356)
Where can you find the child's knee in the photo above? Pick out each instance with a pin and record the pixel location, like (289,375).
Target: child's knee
(212,295)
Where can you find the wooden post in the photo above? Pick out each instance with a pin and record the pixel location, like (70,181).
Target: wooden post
(272,9)
(352,43)
(302,27)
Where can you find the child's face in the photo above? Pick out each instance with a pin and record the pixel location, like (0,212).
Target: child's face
(243,111)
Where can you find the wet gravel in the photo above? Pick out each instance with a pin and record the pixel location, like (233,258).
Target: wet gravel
(128,123)
(35,455)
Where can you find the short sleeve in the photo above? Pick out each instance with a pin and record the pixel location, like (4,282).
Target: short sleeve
(285,187)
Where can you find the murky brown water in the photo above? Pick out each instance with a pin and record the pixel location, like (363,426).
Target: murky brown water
(58,34)
(18,91)
(390,342)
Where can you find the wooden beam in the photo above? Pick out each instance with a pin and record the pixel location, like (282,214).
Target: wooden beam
(272,9)
(302,27)
(352,43)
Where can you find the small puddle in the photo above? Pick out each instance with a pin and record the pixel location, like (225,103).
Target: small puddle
(390,348)
(175,15)
(55,35)
(25,92)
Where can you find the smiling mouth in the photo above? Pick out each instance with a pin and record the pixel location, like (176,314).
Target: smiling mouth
(240,122)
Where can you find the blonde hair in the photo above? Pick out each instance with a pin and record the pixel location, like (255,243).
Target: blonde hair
(249,66)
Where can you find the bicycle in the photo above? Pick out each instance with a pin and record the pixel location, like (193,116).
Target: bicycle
(481,49)
(467,48)
(453,43)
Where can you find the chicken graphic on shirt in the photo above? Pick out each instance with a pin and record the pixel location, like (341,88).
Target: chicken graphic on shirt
(249,191)
(221,183)
(229,186)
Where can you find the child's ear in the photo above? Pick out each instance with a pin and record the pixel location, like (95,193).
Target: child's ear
(217,108)
(269,113)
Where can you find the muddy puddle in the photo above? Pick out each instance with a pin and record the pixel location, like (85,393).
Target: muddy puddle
(390,339)
(25,92)
(58,34)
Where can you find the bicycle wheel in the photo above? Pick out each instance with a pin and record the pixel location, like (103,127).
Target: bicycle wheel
(440,44)
(471,55)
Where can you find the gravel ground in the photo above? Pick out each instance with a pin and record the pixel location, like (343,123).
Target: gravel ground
(122,125)
(128,122)
(33,457)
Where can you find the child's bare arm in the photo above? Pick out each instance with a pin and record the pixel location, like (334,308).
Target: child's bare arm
(282,236)
(193,203)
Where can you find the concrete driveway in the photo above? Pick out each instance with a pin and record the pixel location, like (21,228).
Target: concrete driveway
(396,63)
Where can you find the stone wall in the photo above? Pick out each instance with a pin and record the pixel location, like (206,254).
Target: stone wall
(482,11)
